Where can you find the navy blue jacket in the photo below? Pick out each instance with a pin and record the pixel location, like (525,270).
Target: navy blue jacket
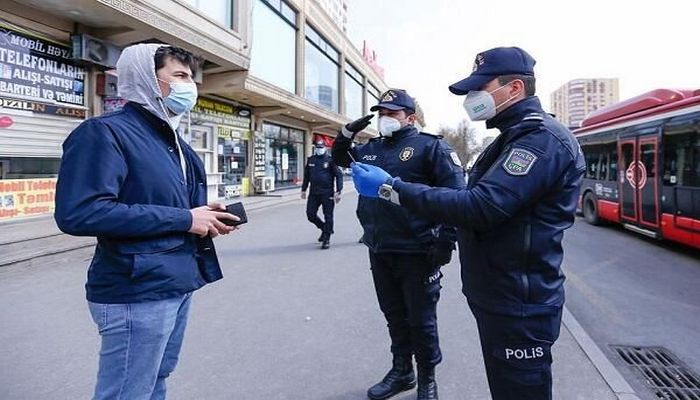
(415,157)
(321,172)
(521,196)
(121,181)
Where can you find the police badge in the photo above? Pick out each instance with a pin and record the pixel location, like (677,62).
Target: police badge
(406,154)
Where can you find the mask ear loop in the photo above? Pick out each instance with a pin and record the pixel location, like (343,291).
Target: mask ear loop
(507,100)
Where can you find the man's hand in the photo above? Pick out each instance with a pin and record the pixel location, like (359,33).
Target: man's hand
(368,179)
(441,253)
(303,195)
(336,197)
(205,220)
(357,125)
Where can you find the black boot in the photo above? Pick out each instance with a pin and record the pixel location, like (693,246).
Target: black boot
(427,386)
(399,378)
(323,235)
(326,240)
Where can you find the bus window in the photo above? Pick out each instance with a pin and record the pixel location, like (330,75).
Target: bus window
(604,166)
(613,163)
(648,158)
(682,159)
(592,156)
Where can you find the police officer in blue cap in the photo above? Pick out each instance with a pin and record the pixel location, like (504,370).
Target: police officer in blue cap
(521,196)
(321,173)
(405,251)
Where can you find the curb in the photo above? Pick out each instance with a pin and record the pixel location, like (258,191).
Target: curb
(607,370)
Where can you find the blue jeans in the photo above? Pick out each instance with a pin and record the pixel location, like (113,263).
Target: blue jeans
(140,346)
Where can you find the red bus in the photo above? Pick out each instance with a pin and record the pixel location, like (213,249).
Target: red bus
(643,165)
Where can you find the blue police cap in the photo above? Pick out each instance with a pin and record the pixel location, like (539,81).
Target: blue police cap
(493,63)
(395,99)
(320,143)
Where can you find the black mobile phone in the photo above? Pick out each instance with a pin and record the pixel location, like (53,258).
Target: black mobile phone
(237,210)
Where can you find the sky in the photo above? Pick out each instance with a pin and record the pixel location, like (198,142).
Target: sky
(426,45)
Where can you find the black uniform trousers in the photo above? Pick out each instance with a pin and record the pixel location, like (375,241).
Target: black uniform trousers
(517,353)
(314,201)
(408,290)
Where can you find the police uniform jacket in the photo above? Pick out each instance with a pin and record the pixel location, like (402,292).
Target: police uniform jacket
(321,172)
(522,195)
(415,157)
(121,181)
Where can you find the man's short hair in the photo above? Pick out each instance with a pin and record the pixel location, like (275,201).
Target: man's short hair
(528,80)
(179,54)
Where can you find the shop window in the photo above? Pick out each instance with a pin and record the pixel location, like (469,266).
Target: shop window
(284,154)
(28,167)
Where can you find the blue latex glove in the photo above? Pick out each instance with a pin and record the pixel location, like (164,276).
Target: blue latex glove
(368,179)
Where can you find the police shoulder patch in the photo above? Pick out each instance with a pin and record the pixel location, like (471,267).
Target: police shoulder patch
(519,162)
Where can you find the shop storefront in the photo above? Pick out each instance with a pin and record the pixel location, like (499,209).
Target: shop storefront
(42,100)
(220,134)
(284,154)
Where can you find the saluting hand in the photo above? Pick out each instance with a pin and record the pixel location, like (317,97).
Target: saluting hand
(206,220)
(349,130)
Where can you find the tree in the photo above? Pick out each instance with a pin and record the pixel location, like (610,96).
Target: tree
(463,140)
(420,116)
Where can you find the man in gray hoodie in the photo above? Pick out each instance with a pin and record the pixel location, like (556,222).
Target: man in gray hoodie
(128,179)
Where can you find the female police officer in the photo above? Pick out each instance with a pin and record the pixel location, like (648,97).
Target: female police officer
(521,196)
(405,251)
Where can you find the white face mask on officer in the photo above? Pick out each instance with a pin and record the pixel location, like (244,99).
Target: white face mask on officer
(480,104)
(319,151)
(388,125)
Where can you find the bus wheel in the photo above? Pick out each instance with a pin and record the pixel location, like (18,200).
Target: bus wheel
(590,209)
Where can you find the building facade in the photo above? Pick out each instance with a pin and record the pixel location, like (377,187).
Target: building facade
(579,97)
(276,75)
(337,10)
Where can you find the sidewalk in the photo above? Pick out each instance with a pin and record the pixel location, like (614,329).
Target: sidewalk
(581,370)
(38,240)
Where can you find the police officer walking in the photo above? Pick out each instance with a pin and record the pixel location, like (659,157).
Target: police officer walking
(320,172)
(522,195)
(405,251)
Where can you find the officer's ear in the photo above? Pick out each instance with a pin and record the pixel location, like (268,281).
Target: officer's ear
(411,118)
(517,86)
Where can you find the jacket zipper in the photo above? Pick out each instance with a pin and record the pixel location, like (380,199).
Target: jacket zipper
(525,279)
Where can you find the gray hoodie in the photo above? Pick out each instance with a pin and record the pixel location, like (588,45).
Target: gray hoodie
(136,68)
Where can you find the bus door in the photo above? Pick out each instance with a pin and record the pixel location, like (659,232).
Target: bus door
(638,172)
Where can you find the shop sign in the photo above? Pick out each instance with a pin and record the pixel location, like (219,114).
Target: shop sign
(219,113)
(112,104)
(26,197)
(31,67)
(42,108)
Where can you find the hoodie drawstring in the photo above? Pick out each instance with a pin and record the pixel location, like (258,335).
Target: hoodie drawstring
(183,164)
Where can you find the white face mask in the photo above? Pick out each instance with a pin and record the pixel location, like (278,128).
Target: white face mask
(480,104)
(388,125)
(319,151)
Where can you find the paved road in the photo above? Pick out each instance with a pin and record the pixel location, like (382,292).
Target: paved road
(289,321)
(626,289)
